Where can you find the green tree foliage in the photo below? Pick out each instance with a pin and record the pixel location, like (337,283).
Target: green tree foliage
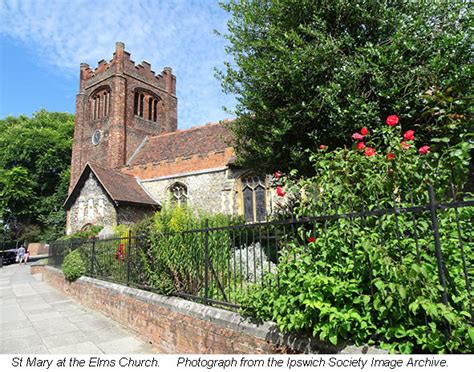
(35,156)
(304,71)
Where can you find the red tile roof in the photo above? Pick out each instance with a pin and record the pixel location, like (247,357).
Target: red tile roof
(120,187)
(184,143)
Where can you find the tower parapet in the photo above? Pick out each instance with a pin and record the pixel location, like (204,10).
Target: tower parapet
(122,63)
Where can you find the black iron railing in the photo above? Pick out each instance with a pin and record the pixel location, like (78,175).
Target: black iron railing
(216,265)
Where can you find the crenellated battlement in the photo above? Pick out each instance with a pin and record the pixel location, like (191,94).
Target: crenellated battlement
(121,63)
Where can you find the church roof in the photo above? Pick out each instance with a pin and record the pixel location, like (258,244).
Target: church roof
(183,143)
(121,188)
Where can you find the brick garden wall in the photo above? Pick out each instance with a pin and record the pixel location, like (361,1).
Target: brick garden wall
(37,249)
(175,325)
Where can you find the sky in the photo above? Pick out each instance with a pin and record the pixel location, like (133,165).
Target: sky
(42,43)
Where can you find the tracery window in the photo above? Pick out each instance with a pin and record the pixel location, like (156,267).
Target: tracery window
(179,194)
(254,199)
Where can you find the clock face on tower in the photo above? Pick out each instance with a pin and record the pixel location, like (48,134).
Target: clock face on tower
(96,137)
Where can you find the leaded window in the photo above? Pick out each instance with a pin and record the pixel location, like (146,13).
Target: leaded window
(254,199)
(179,194)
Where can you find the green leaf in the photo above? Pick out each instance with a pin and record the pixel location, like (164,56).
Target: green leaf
(470,332)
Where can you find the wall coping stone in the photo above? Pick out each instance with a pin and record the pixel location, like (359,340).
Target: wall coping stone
(267,331)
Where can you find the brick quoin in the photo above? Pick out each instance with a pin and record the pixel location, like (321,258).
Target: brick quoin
(122,131)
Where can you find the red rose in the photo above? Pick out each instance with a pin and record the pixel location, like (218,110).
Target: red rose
(311,239)
(390,156)
(409,135)
(357,136)
(423,150)
(405,146)
(364,131)
(369,151)
(360,146)
(280,191)
(277,175)
(322,147)
(392,120)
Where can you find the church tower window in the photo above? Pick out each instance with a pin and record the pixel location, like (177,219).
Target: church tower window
(138,104)
(146,105)
(150,108)
(100,104)
(135,103)
(155,110)
(179,194)
(140,112)
(253,198)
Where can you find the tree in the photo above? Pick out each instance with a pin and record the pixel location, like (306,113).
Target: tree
(35,156)
(307,72)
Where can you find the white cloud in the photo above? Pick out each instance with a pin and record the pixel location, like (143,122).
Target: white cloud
(175,33)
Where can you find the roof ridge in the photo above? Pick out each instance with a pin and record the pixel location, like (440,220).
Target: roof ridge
(196,127)
(114,170)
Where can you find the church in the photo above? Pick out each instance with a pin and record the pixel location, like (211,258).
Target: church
(129,159)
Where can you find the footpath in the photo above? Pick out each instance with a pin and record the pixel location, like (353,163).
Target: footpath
(37,319)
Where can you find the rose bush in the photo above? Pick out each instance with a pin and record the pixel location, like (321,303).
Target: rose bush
(374,279)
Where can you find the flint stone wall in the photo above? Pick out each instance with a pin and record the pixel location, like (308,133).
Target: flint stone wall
(92,206)
(211,191)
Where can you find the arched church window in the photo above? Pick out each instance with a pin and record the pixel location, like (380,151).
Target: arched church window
(179,194)
(254,198)
(100,104)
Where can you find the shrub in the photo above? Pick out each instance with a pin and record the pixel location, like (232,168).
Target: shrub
(73,266)
(86,234)
(172,258)
(374,279)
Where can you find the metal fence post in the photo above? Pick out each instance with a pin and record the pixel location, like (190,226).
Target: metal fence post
(439,255)
(129,256)
(206,262)
(92,256)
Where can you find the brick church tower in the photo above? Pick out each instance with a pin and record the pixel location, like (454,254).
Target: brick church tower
(119,105)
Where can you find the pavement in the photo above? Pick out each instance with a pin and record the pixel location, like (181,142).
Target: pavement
(35,318)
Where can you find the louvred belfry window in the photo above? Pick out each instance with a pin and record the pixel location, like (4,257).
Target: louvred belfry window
(146,106)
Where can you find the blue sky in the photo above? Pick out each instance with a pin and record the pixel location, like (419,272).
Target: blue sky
(42,44)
